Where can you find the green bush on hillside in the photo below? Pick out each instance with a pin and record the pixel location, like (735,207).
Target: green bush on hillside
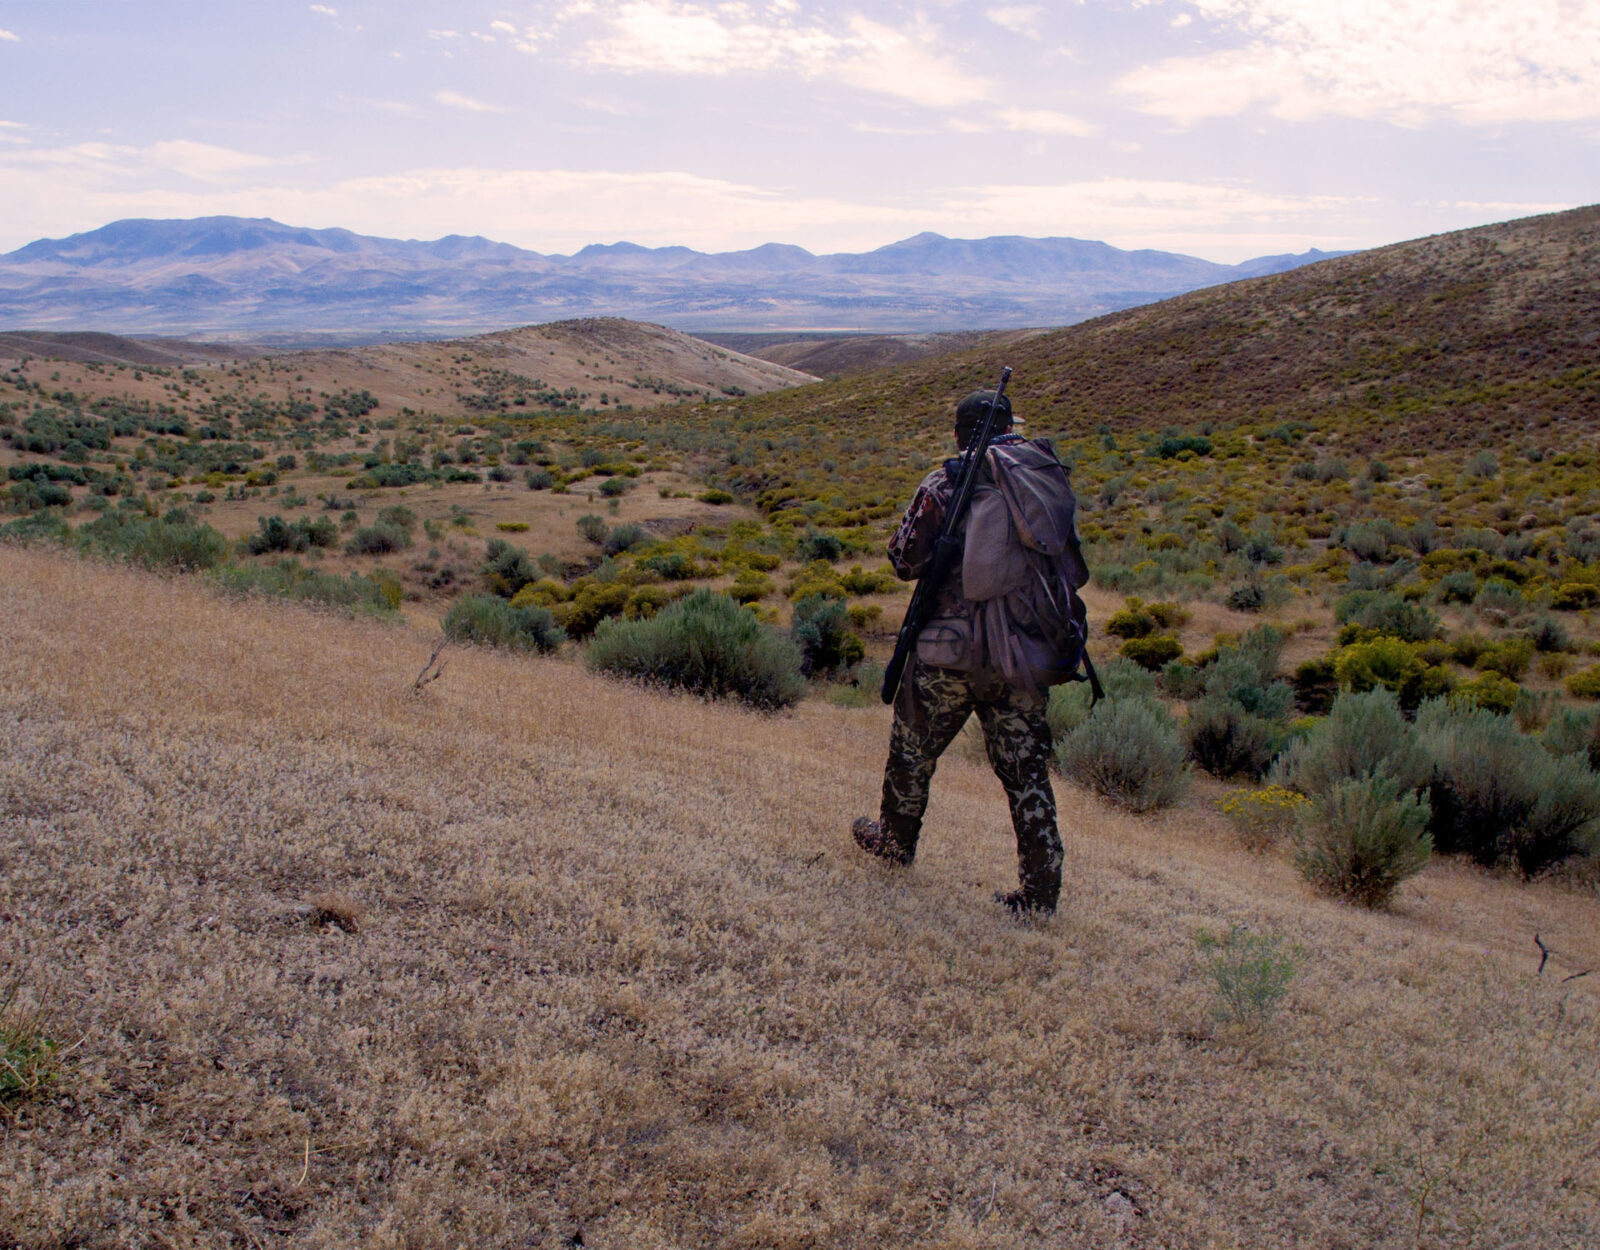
(1154,652)
(1128,751)
(707,644)
(491,621)
(1364,735)
(166,544)
(1361,838)
(1499,796)
(821,629)
(1384,612)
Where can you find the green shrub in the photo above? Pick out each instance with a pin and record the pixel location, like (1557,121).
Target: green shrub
(1384,612)
(1153,652)
(816,544)
(592,602)
(1391,664)
(625,537)
(1585,685)
(1133,621)
(705,643)
(878,582)
(592,529)
(166,544)
(1249,596)
(714,496)
(377,540)
(1228,741)
(544,593)
(817,578)
(1499,796)
(1458,587)
(821,629)
(490,620)
(615,487)
(1250,972)
(539,479)
(289,579)
(1499,595)
(1168,615)
(1549,636)
(1571,731)
(1361,838)
(1493,692)
(1069,702)
(1128,751)
(1364,735)
(273,533)
(1510,657)
(673,565)
(398,516)
(507,567)
(646,601)
(1369,540)
(751,586)
(1575,596)
(1316,685)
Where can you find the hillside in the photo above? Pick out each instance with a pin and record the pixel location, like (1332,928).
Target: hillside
(1469,338)
(838,355)
(537,959)
(248,278)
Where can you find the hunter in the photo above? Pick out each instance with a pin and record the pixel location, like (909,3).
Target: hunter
(985,649)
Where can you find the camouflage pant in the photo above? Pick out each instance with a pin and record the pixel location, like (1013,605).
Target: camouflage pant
(932,706)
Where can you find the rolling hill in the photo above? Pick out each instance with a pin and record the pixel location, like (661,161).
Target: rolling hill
(1463,338)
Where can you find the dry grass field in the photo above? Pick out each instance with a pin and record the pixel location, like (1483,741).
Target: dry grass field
(536,959)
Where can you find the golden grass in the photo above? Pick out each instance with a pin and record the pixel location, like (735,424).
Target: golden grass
(613,966)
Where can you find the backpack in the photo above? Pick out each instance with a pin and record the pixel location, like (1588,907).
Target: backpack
(1022,567)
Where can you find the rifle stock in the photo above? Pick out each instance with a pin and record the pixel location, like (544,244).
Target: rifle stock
(946,548)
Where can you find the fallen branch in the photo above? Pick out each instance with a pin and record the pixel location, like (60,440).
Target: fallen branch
(432,670)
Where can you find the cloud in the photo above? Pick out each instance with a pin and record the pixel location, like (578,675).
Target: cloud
(502,28)
(907,66)
(674,37)
(205,162)
(7,36)
(1045,122)
(1404,61)
(1019,19)
(455,100)
(323,9)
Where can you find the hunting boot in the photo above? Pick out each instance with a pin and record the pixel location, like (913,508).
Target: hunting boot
(874,839)
(1025,905)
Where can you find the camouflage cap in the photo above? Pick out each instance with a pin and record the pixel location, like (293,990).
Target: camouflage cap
(971,410)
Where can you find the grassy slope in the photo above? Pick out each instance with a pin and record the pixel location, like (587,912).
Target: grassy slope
(620,970)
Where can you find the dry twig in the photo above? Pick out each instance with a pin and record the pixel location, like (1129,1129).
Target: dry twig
(432,670)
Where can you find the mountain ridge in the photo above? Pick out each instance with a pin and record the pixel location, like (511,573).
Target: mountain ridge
(232,276)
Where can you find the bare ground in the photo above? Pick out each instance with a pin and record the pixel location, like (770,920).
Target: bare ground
(538,959)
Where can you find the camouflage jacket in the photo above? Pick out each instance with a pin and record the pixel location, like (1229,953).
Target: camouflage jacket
(912,544)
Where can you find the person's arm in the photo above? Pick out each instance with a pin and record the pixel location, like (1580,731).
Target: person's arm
(912,543)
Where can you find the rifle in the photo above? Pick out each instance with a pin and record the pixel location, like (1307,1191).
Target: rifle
(946,548)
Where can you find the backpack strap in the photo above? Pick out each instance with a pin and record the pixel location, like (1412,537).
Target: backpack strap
(1096,690)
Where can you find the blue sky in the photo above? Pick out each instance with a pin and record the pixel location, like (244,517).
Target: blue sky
(1222,128)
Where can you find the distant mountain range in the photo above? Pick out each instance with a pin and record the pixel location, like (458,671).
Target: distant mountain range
(256,278)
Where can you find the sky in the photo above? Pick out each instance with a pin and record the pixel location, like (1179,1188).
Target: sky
(1221,128)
